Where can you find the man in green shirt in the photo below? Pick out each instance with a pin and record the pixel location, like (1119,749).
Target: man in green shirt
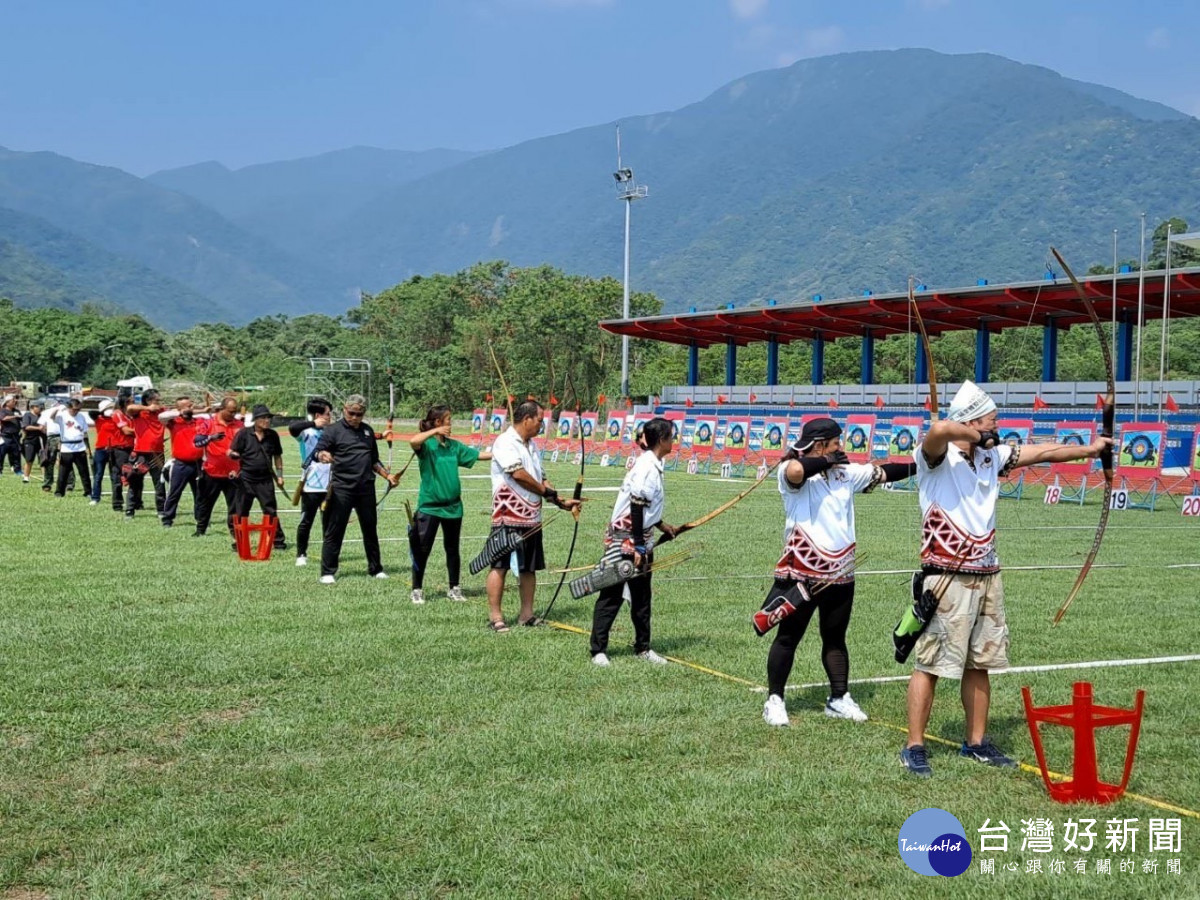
(439,503)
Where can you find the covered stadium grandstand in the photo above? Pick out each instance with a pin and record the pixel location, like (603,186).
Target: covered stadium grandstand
(986,309)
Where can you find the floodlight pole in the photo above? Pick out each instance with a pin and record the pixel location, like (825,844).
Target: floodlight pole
(627,190)
(1166,308)
(1141,318)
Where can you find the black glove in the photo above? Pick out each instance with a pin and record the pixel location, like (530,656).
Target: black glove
(838,458)
(988,439)
(550,494)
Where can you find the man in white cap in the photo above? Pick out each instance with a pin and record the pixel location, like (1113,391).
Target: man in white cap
(959,467)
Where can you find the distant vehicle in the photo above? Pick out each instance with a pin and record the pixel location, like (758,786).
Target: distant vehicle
(62,391)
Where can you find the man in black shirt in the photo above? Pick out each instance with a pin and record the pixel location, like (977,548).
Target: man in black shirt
(349,445)
(33,436)
(10,435)
(259,452)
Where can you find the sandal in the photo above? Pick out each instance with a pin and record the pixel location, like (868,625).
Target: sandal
(498,627)
(531,622)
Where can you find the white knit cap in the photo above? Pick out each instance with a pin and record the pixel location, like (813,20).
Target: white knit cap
(971,402)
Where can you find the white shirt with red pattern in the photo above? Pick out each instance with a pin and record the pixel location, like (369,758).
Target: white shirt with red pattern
(511,503)
(818,536)
(643,484)
(958,507)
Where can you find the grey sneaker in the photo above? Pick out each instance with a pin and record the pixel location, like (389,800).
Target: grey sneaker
(914,759)
(455,593)
(418,596)
(600,659)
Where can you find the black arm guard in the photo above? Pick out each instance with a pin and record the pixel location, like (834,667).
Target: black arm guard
(898,471)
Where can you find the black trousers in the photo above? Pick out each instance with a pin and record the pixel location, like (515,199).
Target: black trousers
(310,505)
(183,474)
(137,481)
(835,603)
(264,493)
(80,462)
(117,457)
(608,604)
(11,453)
(426,528)
(337,517)
(53,442)
(206,498)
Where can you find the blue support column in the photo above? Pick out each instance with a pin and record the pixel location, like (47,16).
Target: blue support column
(983,354)
(868,357)
(1049,352)
(1124,360)
(818,360)
(772,362)
(693,364)
(730,362)
(922,363)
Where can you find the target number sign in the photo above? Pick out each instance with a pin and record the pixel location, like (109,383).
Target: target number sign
(605,460)
(554,456)
(1191,505)
(1053,495)
(691,466)
(726,470)
(1120,500)
(762,471)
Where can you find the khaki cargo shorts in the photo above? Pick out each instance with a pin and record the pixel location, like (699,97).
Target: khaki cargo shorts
(968,631)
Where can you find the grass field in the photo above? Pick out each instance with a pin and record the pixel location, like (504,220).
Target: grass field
(174,723)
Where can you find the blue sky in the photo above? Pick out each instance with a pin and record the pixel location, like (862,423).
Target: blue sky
(149,85)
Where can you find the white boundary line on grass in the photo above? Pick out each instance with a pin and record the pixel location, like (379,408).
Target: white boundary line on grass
(909,571)
(1018,670)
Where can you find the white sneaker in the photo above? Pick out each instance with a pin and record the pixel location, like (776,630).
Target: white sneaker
(775,711)
(600,659)
(327,579)
(25,478)
(418,596)
(381,574)
(455,593)
(844,707)
(93,502)
(301,560)
(651,657)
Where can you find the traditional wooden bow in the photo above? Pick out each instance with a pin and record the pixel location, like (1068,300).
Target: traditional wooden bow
(1107,420)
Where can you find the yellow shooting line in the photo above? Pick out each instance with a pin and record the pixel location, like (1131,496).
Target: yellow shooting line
(1025,767)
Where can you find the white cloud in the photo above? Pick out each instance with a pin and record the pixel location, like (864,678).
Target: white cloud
(1158,39)
(747,9)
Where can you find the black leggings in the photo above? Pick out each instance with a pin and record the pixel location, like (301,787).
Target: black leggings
(835,603)
(426,529)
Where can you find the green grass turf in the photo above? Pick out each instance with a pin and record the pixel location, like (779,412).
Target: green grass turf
(174,723)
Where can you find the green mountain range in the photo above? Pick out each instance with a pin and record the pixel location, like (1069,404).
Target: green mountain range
(290,202)
(834,175)
(831,176)
(238,275)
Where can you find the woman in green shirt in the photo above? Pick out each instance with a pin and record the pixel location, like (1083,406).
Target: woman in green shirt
(440,500)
